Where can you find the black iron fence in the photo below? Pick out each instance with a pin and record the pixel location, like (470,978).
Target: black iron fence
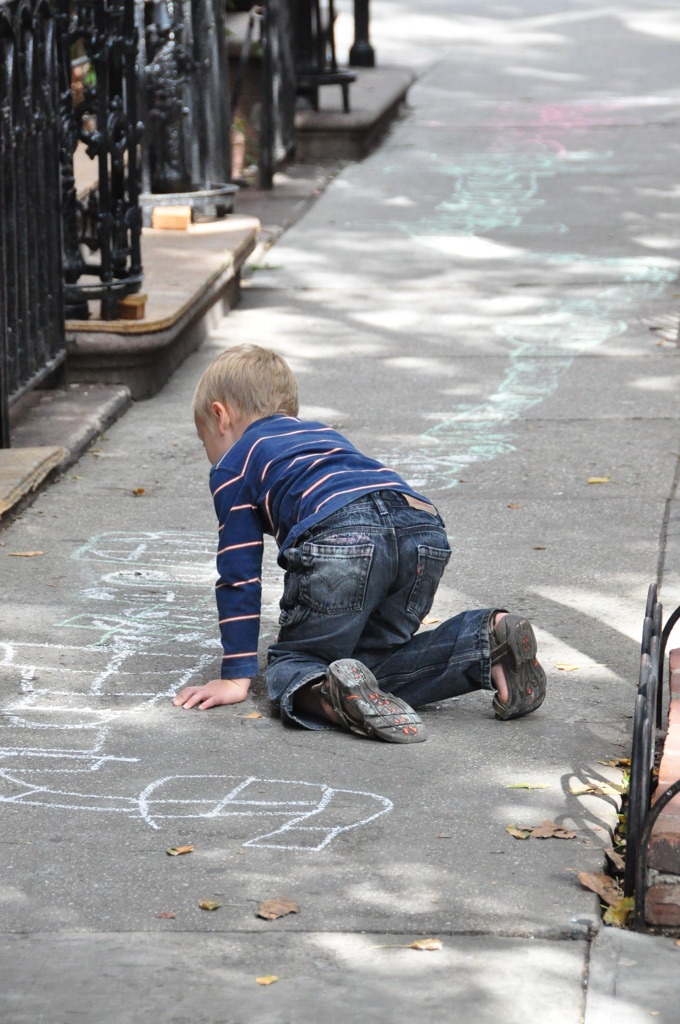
(183,85)
(102,230)
(648,718)
(31,301)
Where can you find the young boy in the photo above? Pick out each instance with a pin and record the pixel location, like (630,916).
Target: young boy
(363,554)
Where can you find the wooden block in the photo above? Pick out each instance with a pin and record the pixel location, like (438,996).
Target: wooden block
(132,307)
(171,218)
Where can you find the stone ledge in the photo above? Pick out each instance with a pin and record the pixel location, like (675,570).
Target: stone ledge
(191,279)
(329,134)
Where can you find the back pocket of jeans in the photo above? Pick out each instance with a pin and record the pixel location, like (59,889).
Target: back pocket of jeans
(429,571)
(335,576)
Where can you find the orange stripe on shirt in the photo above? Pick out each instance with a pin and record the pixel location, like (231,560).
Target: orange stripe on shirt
(352,490)
(246,544)
(339,473)
(239,583)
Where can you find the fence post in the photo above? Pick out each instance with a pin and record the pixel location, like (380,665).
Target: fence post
(361,54)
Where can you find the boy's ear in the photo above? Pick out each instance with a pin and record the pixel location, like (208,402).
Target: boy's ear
(222,416)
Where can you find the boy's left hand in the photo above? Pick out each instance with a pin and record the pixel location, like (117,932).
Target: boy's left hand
(212,694)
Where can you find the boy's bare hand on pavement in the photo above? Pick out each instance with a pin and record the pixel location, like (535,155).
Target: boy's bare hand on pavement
(212,694)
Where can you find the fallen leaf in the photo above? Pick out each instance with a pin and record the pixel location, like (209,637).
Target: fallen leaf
(166,915)
(430,621)
(615,859)
(566,667)
(518,833)
(209,905)
(177,851)
(24,554)
(540,547)
(270,910)
(267,979)
(605,887)
(443,835)
(598,789)
(599,479)
(551,830)
(529,785)
(253,714)
(619,912)
(617,762)
(514,504)
(427,944)
(139,491)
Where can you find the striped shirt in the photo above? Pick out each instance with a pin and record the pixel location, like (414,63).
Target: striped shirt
(281,477)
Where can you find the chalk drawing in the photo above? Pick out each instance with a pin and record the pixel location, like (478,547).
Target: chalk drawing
(313,813)
(138,649)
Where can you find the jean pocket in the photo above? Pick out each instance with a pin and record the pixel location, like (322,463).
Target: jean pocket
(334,576)
(429,570)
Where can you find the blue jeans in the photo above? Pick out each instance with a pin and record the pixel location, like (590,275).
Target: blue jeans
(358,585)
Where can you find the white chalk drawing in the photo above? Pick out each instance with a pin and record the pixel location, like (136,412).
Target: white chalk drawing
(142,646)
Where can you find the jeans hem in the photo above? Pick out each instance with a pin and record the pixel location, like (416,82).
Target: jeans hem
(290,717)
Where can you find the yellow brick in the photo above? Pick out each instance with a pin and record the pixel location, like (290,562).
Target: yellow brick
(171,218)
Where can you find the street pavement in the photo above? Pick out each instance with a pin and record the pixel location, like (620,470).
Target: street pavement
(488,303)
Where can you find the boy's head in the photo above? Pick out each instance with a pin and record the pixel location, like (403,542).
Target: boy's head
(251,381)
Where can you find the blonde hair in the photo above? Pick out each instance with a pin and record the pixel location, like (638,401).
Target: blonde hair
(254,381)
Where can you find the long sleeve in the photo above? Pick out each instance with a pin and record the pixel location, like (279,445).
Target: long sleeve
(239,566)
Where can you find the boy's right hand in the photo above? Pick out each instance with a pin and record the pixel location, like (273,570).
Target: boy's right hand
(212,694)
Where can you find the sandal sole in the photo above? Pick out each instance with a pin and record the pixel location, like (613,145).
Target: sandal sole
(525,676)
(371,712)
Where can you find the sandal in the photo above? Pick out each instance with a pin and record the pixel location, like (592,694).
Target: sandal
(353,692)
(513,643)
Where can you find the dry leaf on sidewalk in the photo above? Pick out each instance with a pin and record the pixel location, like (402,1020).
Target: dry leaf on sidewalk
(427,944)
(177,851)
(24,554)
(615,859)
(599,479)
(209,905)
(267,979)
(270,910)
(551,830)
(619,912)
(514,504)
(605,887)
(166,915)
(138,491)
(518,833)
(253,714)
(597,788)
(566,667)
(528,785)
(546,830)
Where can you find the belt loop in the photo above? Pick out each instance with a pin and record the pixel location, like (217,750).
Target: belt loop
(379,503)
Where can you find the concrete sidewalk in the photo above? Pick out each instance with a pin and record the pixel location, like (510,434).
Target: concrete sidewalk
(477,304)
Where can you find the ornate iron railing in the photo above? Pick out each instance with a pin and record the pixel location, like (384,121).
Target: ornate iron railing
(183,84)
(102,257)
(642,814)
(31,300)
(279,88)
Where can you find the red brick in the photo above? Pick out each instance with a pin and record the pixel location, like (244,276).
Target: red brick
(663,905)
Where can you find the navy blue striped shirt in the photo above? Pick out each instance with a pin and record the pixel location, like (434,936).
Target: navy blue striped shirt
(281,477)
